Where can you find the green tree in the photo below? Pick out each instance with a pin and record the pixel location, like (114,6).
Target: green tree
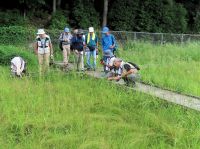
(122,14)
(84,14)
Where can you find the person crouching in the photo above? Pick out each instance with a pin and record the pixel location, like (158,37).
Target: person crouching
(127,71)
(18,66)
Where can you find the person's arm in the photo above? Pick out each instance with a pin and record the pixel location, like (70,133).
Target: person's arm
(96,43)
(51,48)
(129,70)
(102,42)
(128,73)
(113,42)
(61,37)
(117,78)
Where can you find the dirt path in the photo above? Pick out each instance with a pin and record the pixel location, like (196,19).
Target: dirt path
(184,100)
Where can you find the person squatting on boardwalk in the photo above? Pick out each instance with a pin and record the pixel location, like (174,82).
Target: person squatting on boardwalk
(108,46)
(124,70)
(65,41)
(18,66)
(92,44)
(44,50)
(78,44)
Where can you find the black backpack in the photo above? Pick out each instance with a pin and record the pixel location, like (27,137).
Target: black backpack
(135,65)
(60,44)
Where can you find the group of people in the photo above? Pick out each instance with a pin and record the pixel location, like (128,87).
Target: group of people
(82,44)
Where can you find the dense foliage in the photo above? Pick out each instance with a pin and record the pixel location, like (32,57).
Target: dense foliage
(8,52)
(153,16)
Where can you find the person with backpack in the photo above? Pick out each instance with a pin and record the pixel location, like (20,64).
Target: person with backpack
(108,45)
(78,44)
(44,50)
(18,66)
(127,71)
(92,44)
(65,41)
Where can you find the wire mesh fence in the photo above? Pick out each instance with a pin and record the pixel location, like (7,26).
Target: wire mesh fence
(155,38)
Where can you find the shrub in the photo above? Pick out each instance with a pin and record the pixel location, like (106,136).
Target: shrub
(8,52)
(59,20)
(16,35)
(12,17)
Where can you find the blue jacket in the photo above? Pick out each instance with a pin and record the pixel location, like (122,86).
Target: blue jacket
(107,41)
(77,43)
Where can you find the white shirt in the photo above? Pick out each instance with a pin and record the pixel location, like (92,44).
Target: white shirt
(17,65)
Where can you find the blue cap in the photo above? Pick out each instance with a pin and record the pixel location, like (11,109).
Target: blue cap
(66,30)
(105,29)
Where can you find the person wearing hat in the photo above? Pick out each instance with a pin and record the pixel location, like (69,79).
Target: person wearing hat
(92,44)
(65,41)
(127,71)
(44,50)
(78,44)
(108,45)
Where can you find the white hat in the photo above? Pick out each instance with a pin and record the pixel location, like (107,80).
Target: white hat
(91,29)
(40,31)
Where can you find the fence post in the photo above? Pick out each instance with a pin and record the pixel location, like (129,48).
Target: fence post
(135,36)
(182,39)
(161,38)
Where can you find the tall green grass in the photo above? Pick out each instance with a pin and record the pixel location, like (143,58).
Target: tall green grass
(170,66)
(77,112)
(74,111)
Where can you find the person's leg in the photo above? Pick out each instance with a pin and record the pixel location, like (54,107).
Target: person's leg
(131,79)
(107,54)
(64,54)
(40,61)
(94,59)
(81,60)
(88,59)
(77,59)
(46,62)
(68,52)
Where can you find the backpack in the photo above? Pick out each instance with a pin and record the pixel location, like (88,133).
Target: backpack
(135,65)
(60,43)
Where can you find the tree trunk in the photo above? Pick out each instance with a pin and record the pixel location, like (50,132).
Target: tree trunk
(54,6)
(105,13)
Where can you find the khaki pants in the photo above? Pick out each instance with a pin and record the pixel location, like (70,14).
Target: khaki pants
(66,53)
(43,60)
(79,60)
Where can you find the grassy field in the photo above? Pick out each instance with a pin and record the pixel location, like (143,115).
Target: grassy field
(170,66)
(75,111)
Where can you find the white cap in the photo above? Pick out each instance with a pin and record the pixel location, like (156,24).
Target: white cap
(91,29)
(40,31)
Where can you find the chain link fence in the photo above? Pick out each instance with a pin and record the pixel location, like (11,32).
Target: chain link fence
(155,38)
(123,37)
